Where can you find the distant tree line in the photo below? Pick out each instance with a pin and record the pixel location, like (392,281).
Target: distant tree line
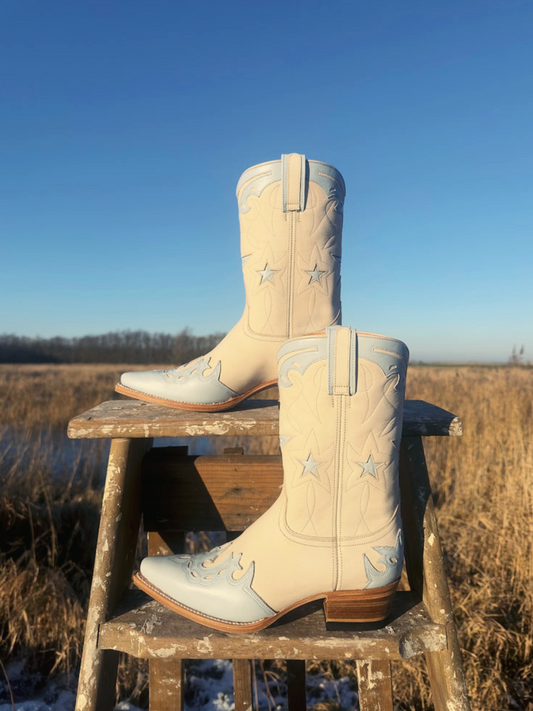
(116,347)
(517,356)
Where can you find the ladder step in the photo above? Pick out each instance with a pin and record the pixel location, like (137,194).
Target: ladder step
(146,629)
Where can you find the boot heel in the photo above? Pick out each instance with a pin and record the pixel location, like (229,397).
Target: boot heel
(371,605)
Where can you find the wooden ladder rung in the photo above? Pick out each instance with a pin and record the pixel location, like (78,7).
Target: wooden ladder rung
(146,629)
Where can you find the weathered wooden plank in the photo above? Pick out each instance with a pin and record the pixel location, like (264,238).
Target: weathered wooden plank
(374,679)
(445,667)
(146,629)
(117,541)
(427,420)
(208,493)
(242,684)
(133,418)
(166,685)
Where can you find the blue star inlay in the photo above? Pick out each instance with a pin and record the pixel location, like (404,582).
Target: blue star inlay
(310,466)
(369,467)
(267,273)
(314,274)
(283,439)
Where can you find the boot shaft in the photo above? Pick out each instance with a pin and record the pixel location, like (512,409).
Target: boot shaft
(341,411)
(290,213)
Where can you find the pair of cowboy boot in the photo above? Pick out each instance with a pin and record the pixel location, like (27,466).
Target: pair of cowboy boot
(335,532)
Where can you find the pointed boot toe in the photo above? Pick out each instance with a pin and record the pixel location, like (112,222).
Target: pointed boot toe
(143,381)
(290,213)
(201,589)
(186,387)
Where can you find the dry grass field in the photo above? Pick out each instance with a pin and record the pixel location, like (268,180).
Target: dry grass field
(483,487)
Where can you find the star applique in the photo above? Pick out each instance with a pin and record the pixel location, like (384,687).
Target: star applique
(267,274)
(283,439)
(310,466)
(314,274)
(375,470)
(369,467)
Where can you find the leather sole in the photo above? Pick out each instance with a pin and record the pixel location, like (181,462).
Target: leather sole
(210,407)
(371,605)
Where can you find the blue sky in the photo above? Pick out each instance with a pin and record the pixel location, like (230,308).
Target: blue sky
(126,125)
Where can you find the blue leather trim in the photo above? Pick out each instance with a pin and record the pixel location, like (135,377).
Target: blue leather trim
(185,384)
(254,180)
(392,356)
(211,590)
(304,181)
(330,180)
(391,559)
(298,354)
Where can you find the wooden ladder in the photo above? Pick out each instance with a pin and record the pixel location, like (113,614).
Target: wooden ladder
(175,492)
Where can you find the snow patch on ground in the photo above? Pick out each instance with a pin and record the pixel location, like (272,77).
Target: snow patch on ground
(209,687)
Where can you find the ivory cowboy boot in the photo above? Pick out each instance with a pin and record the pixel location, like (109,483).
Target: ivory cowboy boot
(335,532)
(291,225)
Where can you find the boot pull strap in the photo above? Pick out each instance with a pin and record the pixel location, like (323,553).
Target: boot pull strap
(293,169)
(342,360)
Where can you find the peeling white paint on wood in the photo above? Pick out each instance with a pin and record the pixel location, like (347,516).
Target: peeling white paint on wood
(204,646)
(125,418)
(167,652)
